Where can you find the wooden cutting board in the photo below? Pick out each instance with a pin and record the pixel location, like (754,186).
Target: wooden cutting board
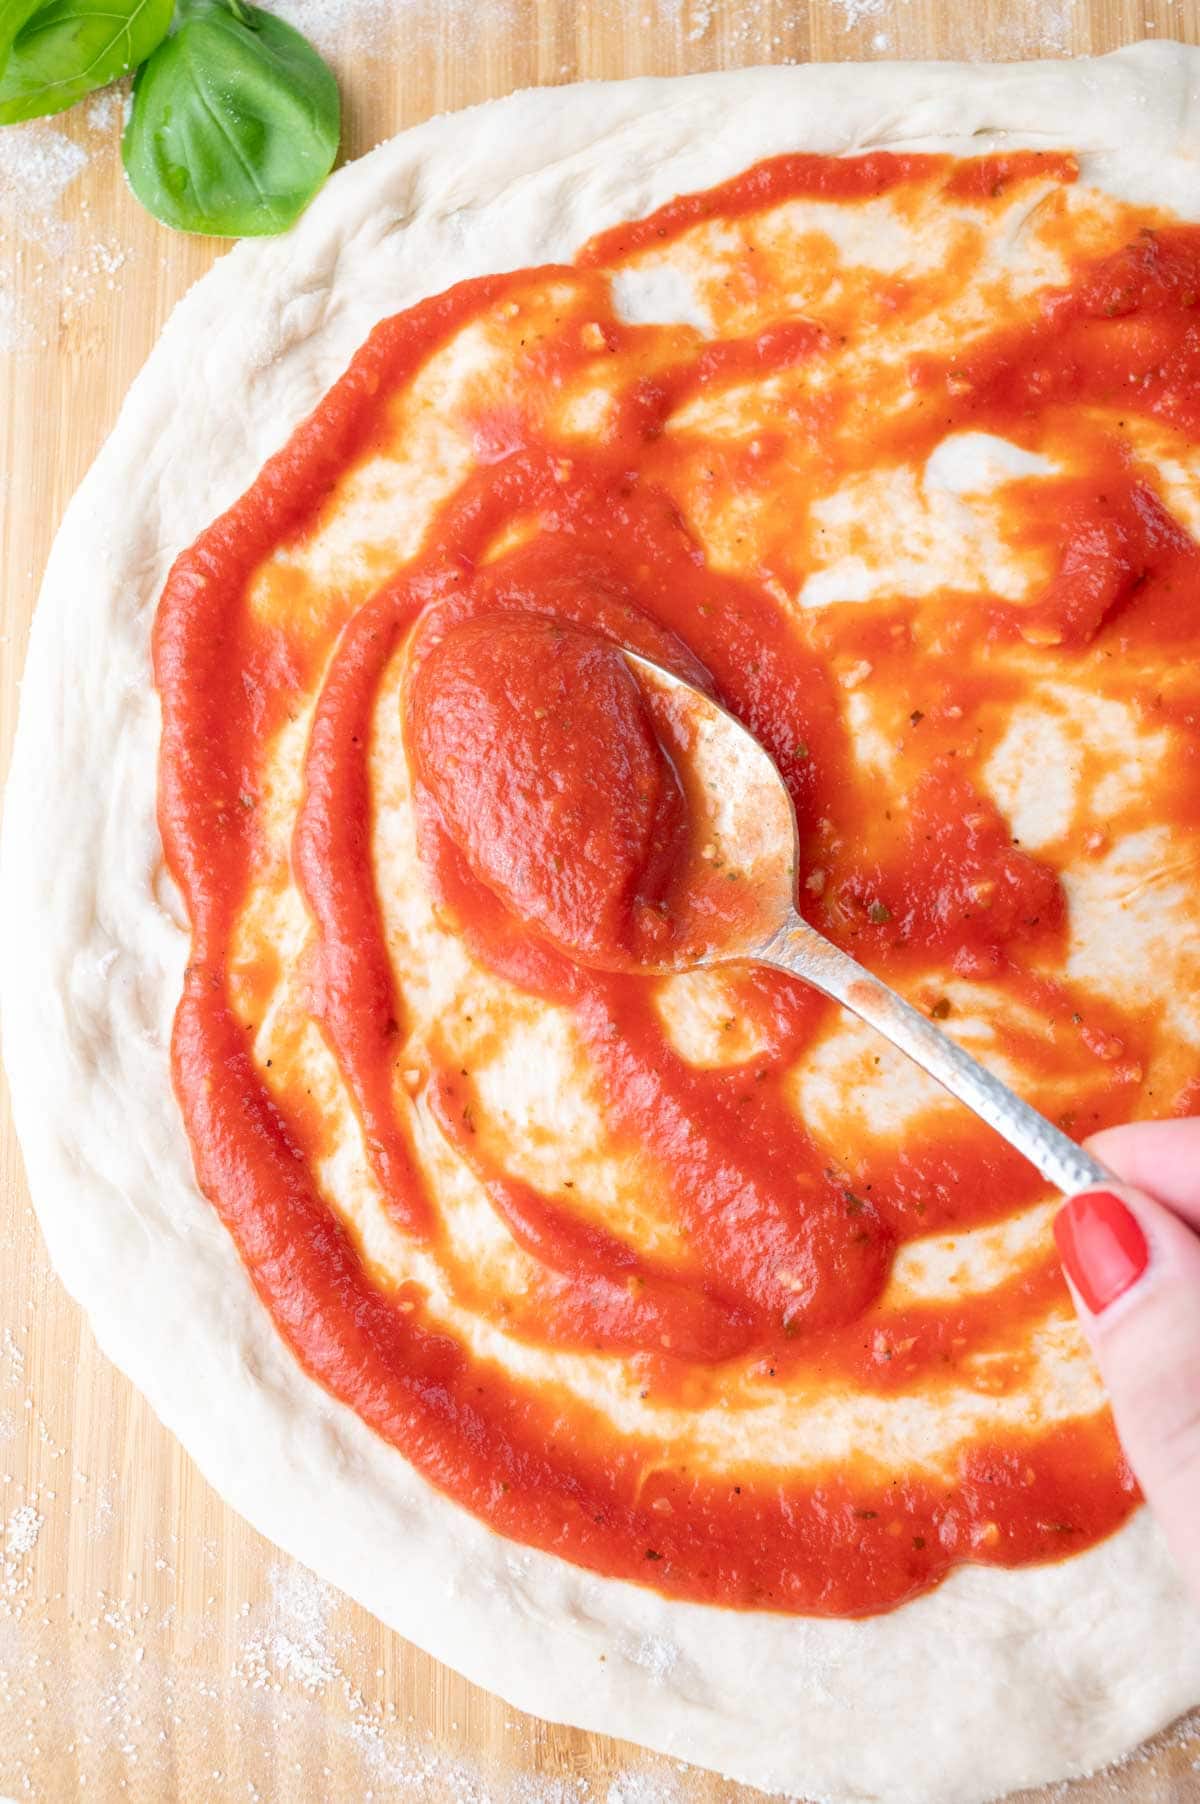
(152,1646)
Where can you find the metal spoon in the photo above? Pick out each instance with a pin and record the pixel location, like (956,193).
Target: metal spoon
(751,821)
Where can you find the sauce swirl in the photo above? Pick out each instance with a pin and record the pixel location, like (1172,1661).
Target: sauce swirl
(728,1379)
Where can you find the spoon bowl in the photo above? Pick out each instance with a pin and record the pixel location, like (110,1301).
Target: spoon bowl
(741,866)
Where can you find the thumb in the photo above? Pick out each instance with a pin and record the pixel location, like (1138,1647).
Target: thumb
(1134,1268)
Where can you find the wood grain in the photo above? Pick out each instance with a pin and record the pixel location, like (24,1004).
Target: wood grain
(152,1647)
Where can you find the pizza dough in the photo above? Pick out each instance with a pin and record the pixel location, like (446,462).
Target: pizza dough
(994,1680)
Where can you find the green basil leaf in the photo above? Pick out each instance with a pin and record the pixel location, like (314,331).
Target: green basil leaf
(13,14)
(53,53)
(235,123)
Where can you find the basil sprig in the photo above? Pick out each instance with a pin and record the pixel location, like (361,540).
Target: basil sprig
(235,122)
(235,119)
(53,52)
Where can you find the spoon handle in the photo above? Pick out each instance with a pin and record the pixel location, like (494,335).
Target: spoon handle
(800,949)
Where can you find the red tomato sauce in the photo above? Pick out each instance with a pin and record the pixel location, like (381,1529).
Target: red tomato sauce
(785,1259)
(537,747)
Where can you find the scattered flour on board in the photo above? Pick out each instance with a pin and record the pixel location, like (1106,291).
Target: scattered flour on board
(64,266)
(703,12)
(24,1527)
(853,12)
(642,1788)
(12,1360)
(37,164)
(381,23)
(1020,29)
(110,105)
(21,1533)
(295,1642)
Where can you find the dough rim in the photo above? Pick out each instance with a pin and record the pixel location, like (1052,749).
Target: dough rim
(996,1680)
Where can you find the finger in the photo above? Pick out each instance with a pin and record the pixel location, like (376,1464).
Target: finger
(1162,1157)
(1135,1270)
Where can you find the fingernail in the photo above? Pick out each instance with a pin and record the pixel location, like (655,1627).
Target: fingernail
(1103,1248)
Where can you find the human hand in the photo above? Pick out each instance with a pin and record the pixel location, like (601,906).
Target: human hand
(1132,1255)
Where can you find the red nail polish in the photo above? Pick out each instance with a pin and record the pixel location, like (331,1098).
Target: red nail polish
(1102,1245)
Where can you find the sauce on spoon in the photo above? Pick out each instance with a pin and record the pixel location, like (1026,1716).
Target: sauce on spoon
(591,799)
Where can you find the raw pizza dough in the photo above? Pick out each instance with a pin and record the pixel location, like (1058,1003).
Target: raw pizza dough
(997,1679)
